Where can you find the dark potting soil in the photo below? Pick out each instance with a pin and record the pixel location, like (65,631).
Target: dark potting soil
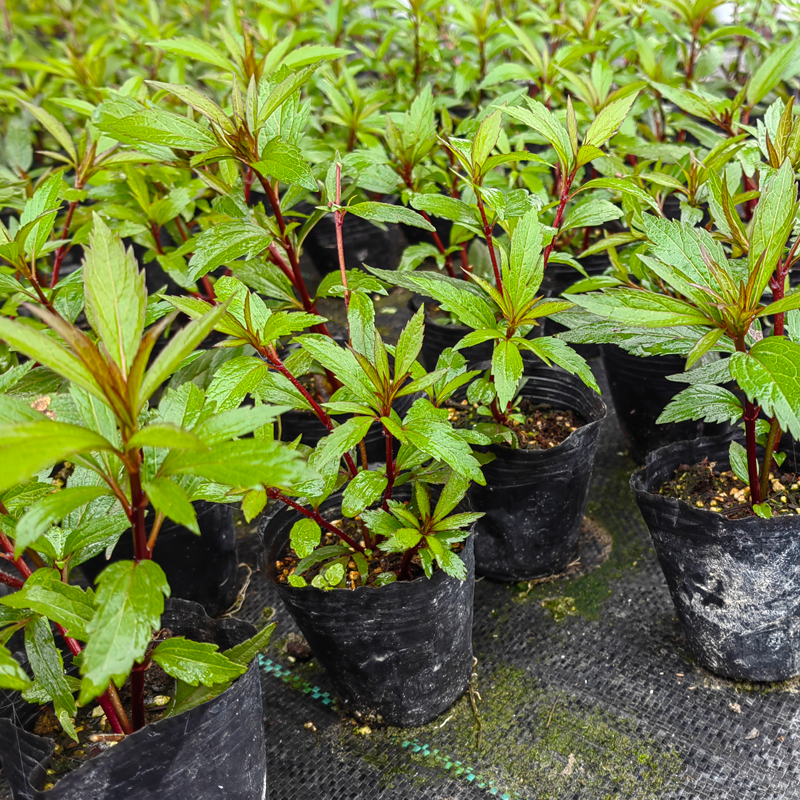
(703,486)
(93,729)
(379,565)
(544,426)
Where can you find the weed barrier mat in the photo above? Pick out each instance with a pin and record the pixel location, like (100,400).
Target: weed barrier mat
(583,688)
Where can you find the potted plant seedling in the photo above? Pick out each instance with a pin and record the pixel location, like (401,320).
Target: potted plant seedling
(548,514)
(723,516)
(639,386)
(129,466)
(368,543)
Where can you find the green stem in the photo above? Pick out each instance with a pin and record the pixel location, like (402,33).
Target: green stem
(774,433)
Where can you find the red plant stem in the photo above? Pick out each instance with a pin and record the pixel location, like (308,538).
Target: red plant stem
(141,552)
(10,580)
(317,517)
(777,284)
(322,415)
(387,495)
(565,187)
(155,230)
(276,258)
(137,696)
(211,295)
(499,416)
(62,251)
(338,217)
(299,283)
(249,177)
(405,564)
(448,257)
(487,232)
(750,418)
(750,185)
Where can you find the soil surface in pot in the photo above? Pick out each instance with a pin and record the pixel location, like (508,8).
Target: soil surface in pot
(703,486)
(544,426)
(94,732)
(379,565)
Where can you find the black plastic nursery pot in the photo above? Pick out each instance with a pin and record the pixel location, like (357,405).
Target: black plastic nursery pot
(735,583)
(212,752)
(534,500)
(364,243)
(399,654)
(200,568)
(640,391)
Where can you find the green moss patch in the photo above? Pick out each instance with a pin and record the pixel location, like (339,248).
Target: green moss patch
(529,741)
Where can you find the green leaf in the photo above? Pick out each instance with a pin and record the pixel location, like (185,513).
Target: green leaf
(54,127)
(199,102)
(159,127)
(457,297)
(28,447)
(342,439)
(525,267)
(591,215)
(772,223)
(738,459)
(130,602)
(195,662)
(409,344)
(762,510)
(486,139)
(362,491)
(386,212)
(40,213)
(236,422)
(445,207)
(770,377)
(46,594)
(190,47)
(305,537)
(283,90)
(43,349)
(439,441)
(625,187)
(12,676)
(608,120)
(506,371)
(48,671)
(52,508)
(180,346)
(244,462)
(549,349)
(782,63)
(162,434)
(452,564)
(790,302)
(452,494)
(223,243)
(540,119)
(170,499)
(188,697)
(285,162)
(115,294)
(710,403)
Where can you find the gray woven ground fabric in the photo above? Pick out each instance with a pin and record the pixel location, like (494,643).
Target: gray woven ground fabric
(583,688)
